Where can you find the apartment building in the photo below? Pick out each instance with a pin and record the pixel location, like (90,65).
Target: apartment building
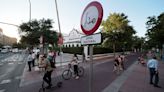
(5,40)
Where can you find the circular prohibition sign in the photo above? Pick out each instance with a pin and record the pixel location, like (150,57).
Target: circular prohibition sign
(91,17)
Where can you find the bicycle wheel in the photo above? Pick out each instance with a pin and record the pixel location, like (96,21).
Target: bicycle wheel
(81,71)
(67,74)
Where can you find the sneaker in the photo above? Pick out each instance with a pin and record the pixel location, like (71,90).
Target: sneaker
(77,77)
(74,76)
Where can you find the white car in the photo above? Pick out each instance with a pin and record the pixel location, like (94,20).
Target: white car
(15,50)
(4,50)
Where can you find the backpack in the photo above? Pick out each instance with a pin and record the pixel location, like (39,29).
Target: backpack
(51,62)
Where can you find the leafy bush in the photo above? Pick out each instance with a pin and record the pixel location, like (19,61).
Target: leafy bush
(79,50)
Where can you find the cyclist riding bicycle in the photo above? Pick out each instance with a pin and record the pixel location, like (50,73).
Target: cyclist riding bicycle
(74,62)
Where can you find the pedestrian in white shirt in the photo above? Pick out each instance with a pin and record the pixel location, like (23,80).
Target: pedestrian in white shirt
(152,64)
(29,60)
(33,57)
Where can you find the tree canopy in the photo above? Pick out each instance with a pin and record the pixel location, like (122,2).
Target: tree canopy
(31,31)
(155,30)
(116,30)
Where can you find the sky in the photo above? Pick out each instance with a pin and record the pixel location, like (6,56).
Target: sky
(70,11)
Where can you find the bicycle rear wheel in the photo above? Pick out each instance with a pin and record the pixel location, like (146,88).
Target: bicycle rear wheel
(67,74)
(81,71)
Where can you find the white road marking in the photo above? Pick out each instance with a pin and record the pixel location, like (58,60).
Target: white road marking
(1,64)
(18,77)
(20,63)
(11,63)
(3,90)
(5,81)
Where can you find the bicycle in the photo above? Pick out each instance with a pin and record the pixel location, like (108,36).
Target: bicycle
(68,73)
(58,84)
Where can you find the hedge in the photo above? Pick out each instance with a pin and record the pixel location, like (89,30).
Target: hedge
(79,50)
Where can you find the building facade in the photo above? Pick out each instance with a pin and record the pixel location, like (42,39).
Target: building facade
(72,39)
(5,40)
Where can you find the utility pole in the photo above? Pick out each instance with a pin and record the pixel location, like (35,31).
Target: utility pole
(59,30)
(29,10)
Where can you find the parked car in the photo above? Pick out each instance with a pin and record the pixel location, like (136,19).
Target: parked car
(15,50)
(4,50)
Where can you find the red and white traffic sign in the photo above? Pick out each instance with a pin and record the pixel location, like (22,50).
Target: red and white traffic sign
(60,40)
(91,17)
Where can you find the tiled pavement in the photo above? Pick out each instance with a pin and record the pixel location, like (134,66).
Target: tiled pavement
(138,81)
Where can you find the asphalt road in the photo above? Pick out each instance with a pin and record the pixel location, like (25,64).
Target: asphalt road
(102,77)
(11,70)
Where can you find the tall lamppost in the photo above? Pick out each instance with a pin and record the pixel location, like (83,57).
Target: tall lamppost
(59,30)
(29,10)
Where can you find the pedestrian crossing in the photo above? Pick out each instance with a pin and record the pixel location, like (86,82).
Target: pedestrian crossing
(14,59)
(5,81)
(8,81)
(11,63)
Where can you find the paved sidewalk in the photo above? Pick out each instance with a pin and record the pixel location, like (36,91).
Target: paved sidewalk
(138,81)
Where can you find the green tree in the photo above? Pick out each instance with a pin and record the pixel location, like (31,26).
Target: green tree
(31,31)
(116,31)
(138,42)
(155,31)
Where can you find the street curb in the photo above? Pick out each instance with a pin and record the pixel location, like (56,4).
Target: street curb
(22,78)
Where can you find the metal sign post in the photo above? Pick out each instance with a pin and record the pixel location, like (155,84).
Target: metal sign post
(90,22)
(91,68)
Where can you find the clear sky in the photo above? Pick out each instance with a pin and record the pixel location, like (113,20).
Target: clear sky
(70,11)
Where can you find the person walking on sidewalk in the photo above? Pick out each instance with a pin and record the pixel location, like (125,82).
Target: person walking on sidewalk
(29,61)
(48,72)
(33,58)
(152,64)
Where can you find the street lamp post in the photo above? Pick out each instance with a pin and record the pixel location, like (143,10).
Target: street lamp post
(29,10)
(59,30)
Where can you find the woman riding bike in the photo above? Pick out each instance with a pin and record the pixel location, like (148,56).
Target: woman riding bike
(74,62)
